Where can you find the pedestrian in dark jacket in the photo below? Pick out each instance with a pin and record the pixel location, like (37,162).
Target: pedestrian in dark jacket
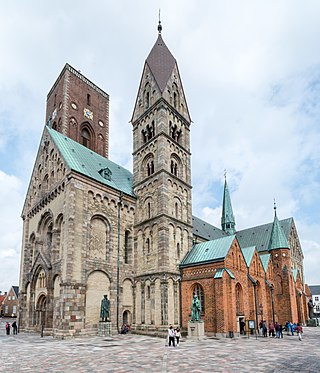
(14,327)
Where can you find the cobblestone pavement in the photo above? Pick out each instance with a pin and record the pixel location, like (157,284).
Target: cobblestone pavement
(133,353)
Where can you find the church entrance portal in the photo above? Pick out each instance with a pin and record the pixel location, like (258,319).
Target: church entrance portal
(126,317)
(41,312)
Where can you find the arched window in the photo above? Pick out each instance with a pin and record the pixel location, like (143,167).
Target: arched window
(49,236)
(147,96)
(126,247)
(85,138)
(178,251)
(148,245)
(149,210)
(239,300)
(176,210)
(150,168)
(198,290)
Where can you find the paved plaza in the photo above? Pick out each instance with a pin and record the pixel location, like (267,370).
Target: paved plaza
(133,353)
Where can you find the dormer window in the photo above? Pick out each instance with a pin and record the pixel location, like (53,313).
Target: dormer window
(106,173)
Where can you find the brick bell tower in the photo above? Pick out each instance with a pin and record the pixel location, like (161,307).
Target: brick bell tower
(162,184)
(285,298)
(80,110)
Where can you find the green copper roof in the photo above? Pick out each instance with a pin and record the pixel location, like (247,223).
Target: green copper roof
(220,271)
(248,254)
(265,261)
(259,236)
(207,252)
(278,239)
(205,230)
(88,163)
(227,219)
(294,274)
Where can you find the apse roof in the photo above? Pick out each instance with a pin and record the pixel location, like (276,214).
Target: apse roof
(86,162)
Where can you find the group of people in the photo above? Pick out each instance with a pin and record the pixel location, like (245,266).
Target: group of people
(14,328)
(174,336)
(125,329)
(276,329)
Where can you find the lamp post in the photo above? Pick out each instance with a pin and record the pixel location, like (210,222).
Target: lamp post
(261,311)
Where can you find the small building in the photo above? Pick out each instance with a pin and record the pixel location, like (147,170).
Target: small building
(10,302)
(2,296)
(315,292)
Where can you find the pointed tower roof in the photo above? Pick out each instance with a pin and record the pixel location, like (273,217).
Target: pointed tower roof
(160,61)
(278,239)
(227,220)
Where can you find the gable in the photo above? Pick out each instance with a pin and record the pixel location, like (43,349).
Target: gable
(48,171)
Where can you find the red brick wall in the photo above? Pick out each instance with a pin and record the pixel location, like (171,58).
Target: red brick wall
(220,314)
(67,101)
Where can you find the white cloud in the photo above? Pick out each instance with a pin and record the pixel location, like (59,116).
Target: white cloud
(10,229)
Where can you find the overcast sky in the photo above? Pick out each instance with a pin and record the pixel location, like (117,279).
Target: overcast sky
(251,75)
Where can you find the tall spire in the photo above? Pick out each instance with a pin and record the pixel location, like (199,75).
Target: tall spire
(228,223)
(278,239)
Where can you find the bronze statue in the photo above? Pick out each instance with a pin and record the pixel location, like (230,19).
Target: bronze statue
(105,309)
(195,309)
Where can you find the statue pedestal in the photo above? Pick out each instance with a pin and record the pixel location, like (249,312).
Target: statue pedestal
(195,329)
(104,328)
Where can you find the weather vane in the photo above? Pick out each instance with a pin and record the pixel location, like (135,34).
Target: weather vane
(159,25)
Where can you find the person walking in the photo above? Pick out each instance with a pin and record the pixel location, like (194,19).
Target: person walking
(7,328)
(299,331)
(178,335)
(280,331)
(271,329)
(277,328)
(171,335)
(14,327)
(264,329)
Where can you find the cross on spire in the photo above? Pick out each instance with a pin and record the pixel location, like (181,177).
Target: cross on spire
(159,25)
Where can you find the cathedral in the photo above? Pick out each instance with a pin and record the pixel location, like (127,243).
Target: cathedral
(92,228)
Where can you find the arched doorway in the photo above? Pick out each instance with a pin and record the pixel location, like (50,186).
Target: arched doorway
(41,310)
(126,317)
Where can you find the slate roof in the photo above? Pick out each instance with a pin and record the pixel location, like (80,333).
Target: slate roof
(259,236)
(86,162)
(205,230)
(207,252)
(314,289)
(16,290)
(161,63)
